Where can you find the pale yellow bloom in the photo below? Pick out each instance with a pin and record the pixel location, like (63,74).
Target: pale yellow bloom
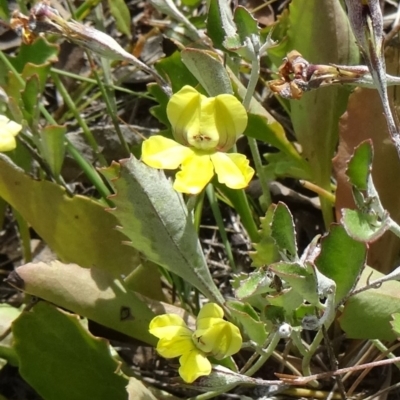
(205,128)
(213,337)
(8,130)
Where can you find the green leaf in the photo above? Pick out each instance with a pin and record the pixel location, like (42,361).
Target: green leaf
(37,53)
(4,10)
(327,39)
(120,12)
(254,283)
(77,228)
(396,324)
(52,146)
(25,97)
(92,293)
(246,315)
(265,128)
(341,259)
(246,24)
(283,231)
(153,216)
(360,165)
(367,315)
(30,99)
(176,72)
(220,23)
(62,360)
(280,165)
(208,70)
(266,251)
(362,226)
(300,279)
(288,300)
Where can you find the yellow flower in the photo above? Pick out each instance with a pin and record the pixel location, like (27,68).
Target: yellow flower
(213,337)
(8,130)
(205,128)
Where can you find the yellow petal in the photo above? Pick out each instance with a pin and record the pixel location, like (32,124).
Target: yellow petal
(221,340)
(163,153)
(7,142)
(11,127)
(207,135)
(197,171)
(232,169)
(183,111)
(211,314)
(231,120)
(210,310)
(168,326)
(193,365)
(170,348)
(8,130)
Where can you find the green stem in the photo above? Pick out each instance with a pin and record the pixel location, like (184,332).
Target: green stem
(260,172)
(108,94)
(383,349)
(251,87)
(220,223)
(214,393)
(265,355)
(94,81)
(70,103)
(394,227)
(307,358)
(246,216)
(90,172)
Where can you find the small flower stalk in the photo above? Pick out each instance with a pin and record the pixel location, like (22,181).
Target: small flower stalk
(204,129)
(213,337)
(8,131)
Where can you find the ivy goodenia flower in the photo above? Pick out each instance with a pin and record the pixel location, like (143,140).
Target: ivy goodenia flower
(204,129)
(213,337)
(8,130)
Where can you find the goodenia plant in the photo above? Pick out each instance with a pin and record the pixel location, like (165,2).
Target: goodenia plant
(129,256)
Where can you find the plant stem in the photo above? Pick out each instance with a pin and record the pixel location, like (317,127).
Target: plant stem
(220,223)
(265,355)
(255,72)
(247,216)
(70,103)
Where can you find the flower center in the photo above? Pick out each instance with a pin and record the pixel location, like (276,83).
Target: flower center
(202,141)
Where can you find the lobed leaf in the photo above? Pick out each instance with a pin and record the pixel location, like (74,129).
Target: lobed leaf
(77,229)
(283,231)
(368,314)
(92,293)
(341,259)
(364,227)
(360,165)
(62,360)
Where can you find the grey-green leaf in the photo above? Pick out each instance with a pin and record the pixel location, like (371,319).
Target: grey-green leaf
(282,231)
(153,216)
(208,70)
